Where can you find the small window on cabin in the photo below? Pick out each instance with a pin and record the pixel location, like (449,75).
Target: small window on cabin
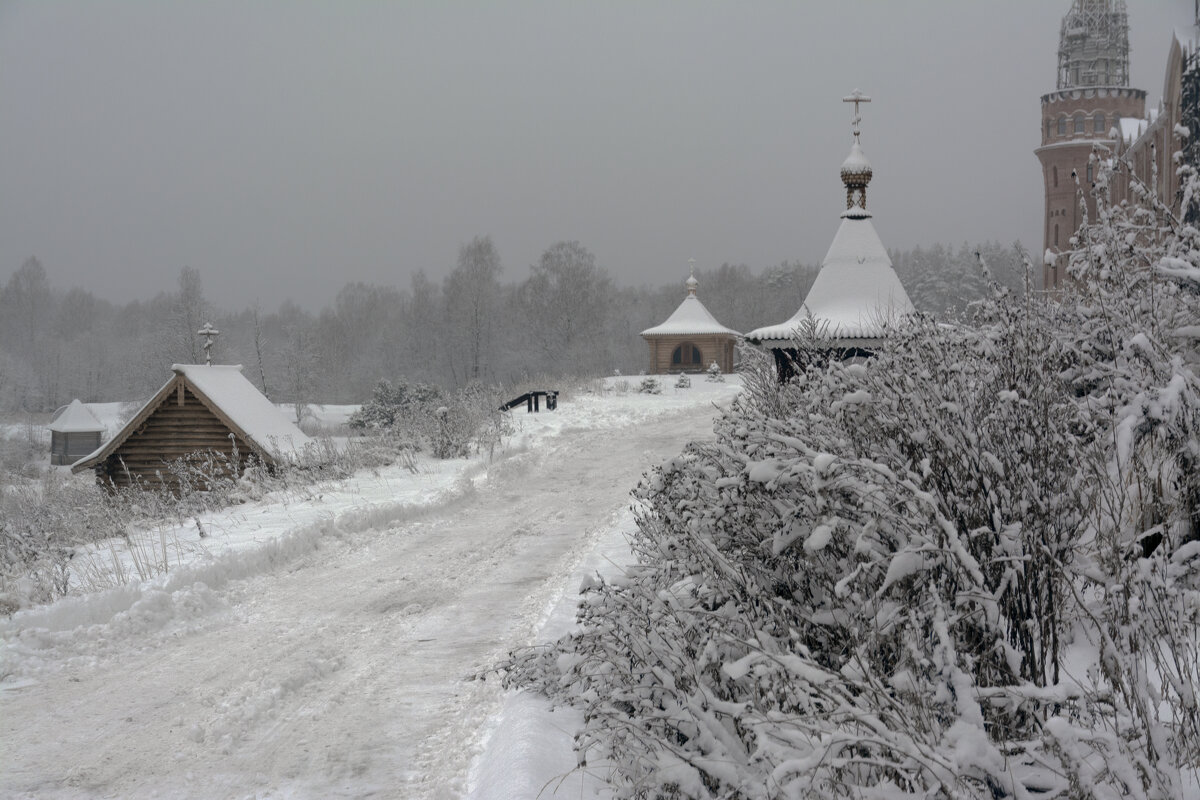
(686,355)
(1098,124)
(1062,126)
(1079,123)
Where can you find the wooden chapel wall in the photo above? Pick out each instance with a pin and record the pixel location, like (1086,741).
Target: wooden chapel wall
(173,430)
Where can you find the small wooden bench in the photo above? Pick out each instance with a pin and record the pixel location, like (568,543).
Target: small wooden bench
(532,401)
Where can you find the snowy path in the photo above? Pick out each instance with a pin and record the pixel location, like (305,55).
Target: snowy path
(341,673)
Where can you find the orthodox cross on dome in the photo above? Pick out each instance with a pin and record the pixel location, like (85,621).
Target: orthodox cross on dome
(692,283)
(856,97)
(856,169)
(210,334)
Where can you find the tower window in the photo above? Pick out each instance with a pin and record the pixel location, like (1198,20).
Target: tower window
(1056,234)
(1079,123)
(1098,123)
(1089,173)
(1054,171)
(1062,126)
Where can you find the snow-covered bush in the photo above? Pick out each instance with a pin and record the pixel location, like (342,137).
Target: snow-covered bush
(402,407)
(713,373)
(683,381)
(416,416)
(650,386)
(967,568)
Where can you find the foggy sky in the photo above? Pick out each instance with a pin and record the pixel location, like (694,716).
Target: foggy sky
(285,148)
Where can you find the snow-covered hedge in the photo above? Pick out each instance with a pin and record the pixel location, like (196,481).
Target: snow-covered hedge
(967,568)
(419,415)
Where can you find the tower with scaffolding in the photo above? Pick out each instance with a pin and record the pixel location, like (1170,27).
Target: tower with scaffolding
(1093,46)
(1081,117)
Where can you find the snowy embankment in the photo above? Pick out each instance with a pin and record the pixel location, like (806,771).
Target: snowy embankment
(316,645)
(529,746)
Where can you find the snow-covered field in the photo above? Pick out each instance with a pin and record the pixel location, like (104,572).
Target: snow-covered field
(323,644)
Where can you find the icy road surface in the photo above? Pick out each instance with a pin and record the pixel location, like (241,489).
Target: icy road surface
(343,672)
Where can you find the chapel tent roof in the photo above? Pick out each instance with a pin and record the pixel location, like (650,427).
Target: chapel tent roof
(233,399)
(857,292)
(76,418)
(691,318)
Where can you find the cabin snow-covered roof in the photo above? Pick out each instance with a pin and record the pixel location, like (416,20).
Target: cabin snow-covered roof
(76,418)
(247,408)
(691,318)
(857,292)
(225,391)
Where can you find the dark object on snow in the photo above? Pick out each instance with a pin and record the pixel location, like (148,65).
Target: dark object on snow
(530,399)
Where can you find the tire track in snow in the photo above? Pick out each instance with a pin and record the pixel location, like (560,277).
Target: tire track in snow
(340,673)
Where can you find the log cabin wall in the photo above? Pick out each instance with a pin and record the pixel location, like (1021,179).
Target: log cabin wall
(181,425)
(713,347)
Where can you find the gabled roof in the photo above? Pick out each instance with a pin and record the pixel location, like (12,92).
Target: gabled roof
(252,414)
(234,400)
(691,318)
(76,418)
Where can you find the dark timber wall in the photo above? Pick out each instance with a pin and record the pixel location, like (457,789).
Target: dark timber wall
(179,426)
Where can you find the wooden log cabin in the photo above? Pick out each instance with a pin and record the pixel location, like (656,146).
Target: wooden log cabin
(74,432)
(691,339)
(201,409)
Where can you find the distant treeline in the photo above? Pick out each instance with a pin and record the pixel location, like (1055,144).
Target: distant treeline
(567,318)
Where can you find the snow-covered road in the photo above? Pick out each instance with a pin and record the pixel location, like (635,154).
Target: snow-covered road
(345,671)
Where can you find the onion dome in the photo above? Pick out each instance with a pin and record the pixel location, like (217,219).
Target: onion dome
(856,167)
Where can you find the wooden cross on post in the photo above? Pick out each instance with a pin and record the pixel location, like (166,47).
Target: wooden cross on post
(856,97)
(209,333)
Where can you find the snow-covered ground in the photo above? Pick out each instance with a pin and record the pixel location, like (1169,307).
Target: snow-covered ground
(322,644)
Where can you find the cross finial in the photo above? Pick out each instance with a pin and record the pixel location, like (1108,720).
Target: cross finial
(692,283)
(856,97)
(692,267)
(209,333)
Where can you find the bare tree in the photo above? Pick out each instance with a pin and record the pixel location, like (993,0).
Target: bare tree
(190,310)
(566,302)
(258,349)
(471,303)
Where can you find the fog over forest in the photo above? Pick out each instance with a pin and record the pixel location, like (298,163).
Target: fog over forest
(569,317)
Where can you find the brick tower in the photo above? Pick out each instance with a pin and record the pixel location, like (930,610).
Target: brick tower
(1093,94)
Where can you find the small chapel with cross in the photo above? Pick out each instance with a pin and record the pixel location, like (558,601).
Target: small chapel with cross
(691,339)
(202,409)
(857,296)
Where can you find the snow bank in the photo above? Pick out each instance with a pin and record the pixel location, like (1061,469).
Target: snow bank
(529,748)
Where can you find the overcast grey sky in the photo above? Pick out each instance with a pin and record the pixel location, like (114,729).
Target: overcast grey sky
(285,148)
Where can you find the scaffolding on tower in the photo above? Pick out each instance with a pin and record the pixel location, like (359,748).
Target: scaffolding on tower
(1093,48)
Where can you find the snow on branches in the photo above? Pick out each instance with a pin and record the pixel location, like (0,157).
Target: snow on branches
(967,568)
